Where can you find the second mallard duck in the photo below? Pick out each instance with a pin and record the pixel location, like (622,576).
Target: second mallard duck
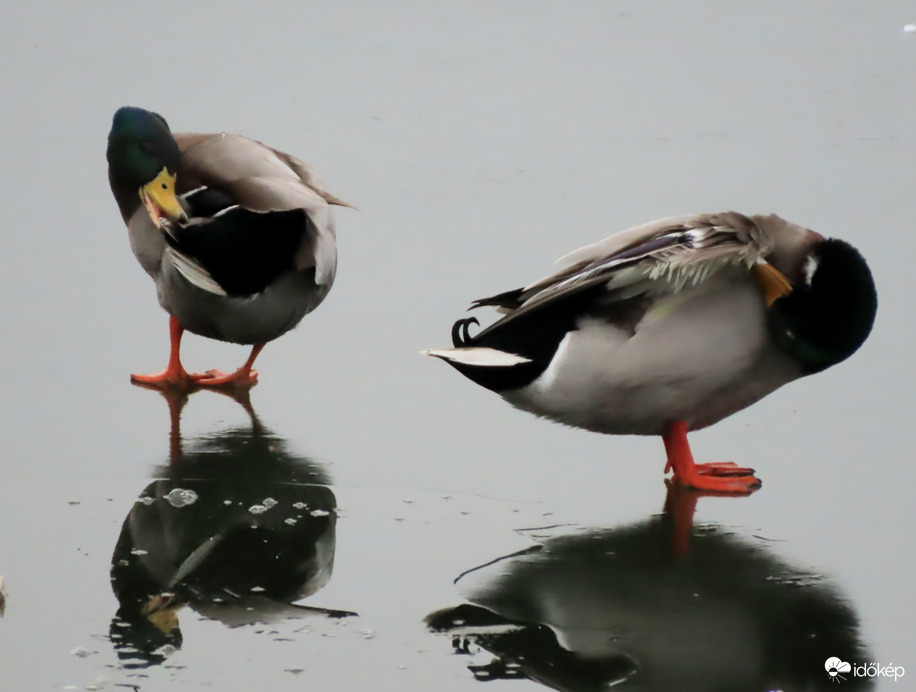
(238,237)
(672,326)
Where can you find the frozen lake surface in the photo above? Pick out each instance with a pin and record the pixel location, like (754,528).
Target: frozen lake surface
(480,140)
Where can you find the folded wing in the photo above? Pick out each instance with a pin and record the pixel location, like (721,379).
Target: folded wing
(279,213)
(659,257)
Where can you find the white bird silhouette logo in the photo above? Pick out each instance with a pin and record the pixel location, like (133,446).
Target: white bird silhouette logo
(834,667)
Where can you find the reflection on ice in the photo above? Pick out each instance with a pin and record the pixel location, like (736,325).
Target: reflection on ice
(640,607)
(193,538)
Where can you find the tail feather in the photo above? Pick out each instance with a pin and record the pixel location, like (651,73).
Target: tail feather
(460,335)
(476,356)
(500,359)
(509,299)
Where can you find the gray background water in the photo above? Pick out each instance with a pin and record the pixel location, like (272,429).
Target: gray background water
(480,140)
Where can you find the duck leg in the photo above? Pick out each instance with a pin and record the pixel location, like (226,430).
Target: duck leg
(721,477)
(242,378)
(174,376)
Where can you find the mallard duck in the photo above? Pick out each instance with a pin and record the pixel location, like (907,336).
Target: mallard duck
(238,236)
(672,326)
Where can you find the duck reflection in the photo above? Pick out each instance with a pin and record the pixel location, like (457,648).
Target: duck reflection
(634,606)
(238,529)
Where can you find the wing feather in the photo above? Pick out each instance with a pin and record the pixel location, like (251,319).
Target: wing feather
(262,179)
(194,272)
(659,257)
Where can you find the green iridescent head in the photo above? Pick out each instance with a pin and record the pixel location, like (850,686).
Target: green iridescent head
(143,156)
(830,315)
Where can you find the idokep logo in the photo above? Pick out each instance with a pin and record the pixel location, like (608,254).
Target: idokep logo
(839,670)
(835,667)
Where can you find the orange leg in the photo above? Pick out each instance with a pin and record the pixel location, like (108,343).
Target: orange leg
(722,477)
(243,377)
(174,375)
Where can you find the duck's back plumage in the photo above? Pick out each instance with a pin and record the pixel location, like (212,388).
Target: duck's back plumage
(663,257)
(262,180)
(259,250)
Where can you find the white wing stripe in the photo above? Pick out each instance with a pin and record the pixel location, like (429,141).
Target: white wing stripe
(193,272)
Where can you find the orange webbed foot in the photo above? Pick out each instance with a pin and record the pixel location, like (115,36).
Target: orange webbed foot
(243,378)
(725,478)
(174,376)
(723,469)
(167,379)
(739,484)
(240,379)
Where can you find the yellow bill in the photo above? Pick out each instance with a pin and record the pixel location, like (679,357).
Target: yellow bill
(160,201)
(772,281)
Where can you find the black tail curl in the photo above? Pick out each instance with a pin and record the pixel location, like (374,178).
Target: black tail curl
(460,335)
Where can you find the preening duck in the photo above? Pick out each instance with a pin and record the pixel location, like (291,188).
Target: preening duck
(238,236)
(672,326)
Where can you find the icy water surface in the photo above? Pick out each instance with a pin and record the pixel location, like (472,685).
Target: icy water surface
(369,519)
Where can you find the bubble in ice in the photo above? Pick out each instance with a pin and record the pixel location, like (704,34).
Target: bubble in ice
(367,633)
(100,683)
(81,652)
(181,497)
(910,28)
(300,505)
(257,589)
(319,513)
(146,500)
(139,551)
(257,509)
(291,521)
(269,502)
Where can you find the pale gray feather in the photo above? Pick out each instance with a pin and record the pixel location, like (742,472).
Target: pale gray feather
(146,241)
(262,179)
(190,269)
(656,258)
